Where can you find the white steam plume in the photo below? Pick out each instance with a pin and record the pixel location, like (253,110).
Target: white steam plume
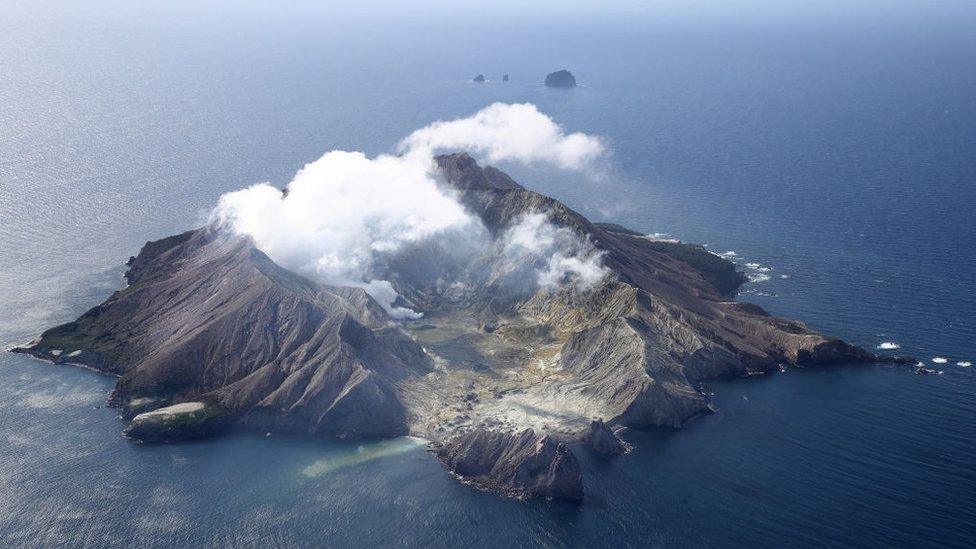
(345,213)
(504,132)
(341,213)
(562,257)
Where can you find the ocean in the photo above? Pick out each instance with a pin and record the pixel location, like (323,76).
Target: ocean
(827,148)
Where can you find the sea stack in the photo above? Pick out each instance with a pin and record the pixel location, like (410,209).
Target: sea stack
(504,78)
(479,79)
(560,79)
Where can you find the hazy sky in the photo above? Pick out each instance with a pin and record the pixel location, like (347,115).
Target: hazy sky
(513,11)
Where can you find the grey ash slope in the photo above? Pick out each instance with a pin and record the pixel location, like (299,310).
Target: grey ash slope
(498,380)
(209,317)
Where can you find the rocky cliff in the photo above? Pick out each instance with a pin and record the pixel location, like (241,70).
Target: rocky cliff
(517,464)
(500,373)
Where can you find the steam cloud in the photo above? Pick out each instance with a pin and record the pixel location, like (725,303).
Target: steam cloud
(344,213)
(571,260)
(502,132)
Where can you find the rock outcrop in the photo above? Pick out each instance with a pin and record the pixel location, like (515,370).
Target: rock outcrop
(560,79)
(184,421)
(522,465)
(602,439)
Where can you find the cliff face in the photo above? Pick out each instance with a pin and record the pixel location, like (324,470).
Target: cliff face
(602,439)
(498,375)
(516,464)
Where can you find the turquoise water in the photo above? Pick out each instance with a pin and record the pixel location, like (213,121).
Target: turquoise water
(833,144)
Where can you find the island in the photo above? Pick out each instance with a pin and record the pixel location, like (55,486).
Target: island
(506,382)
(479,79)
(560,79)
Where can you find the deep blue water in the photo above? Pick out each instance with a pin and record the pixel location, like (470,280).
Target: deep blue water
(833,143)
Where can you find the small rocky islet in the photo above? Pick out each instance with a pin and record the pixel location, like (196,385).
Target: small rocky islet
(210,334)
(560,79)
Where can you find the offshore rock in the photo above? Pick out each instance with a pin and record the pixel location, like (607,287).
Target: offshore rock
(522,465)
(560,79)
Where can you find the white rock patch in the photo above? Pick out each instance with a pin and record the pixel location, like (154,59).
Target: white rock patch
(182,408)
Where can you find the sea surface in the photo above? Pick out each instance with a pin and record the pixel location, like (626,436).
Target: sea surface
(832,145)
